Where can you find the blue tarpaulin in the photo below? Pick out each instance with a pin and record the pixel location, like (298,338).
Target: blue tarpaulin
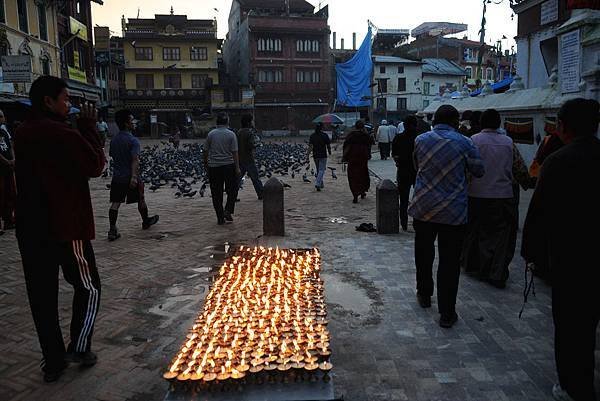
(354,77)
(497,87)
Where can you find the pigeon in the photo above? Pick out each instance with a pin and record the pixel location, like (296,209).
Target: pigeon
(333,175)
(305,178)
(191,194)
(285,185)
(293,174)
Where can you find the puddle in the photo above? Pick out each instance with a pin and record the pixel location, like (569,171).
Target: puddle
(337,220)
(346,295)
(215,252)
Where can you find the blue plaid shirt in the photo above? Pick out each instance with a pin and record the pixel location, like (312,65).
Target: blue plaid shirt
(443,157)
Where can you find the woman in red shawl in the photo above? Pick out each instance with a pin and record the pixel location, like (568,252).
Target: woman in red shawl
(357,152)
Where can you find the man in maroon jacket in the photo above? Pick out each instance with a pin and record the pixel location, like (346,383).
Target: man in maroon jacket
(55,222)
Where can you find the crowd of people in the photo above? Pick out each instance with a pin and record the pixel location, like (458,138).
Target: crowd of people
(465,178)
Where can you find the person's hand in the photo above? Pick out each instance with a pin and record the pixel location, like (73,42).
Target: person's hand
(133,182)
(88,111)
(238,172)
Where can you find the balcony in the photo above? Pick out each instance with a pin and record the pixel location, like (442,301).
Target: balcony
(292,87)
(166,94)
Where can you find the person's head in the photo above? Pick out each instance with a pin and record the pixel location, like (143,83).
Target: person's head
(578,118)
(319,127)
(448,115)
(383,122)
(247,120)
(2,117)
(222,118)
(359,125)
(466,115)
(391,122)
(125,120)
(490,119)
(475,119)
(50,94)
(410,123)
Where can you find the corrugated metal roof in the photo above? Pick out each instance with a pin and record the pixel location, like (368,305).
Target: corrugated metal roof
(395,60)
(295,5)
(441,66)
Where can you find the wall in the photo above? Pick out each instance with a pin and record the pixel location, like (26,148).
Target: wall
(186,77)
(412,73)
(438,85)
(530,63)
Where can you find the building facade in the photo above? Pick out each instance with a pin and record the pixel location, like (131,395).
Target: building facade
(398,87)
(78,65)
(281,49)
(439,76)
(29,28)
(110,68)
(171,63)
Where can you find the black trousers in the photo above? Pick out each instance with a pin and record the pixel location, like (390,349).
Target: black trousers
(576,314)
(450,242)
(384,150)
(41,261)
(404,185)
(223,177)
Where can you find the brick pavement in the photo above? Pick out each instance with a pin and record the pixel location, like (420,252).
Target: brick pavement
(385,347)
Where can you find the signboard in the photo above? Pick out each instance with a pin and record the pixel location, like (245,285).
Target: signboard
(247,94)
(16,68)
(78,29)
(570,62)
(77,75)
(549,12)
(101,37)
(76,59)
(520,130)
(153,119)
(5,87)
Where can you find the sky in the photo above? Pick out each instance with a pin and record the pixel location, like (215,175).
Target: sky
(345,16)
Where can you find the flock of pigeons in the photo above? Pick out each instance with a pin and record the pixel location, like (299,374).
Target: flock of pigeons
(162,166)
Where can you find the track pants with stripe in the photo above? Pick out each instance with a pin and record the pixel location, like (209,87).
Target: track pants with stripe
(41,262)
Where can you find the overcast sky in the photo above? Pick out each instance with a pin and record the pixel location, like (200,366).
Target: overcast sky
(346,16)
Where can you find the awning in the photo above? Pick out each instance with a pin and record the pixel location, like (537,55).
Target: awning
(83,90)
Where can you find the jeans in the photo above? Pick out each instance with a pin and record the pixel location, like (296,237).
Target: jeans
(252,171)
(450,242)
(404,185)
(219,177)
(321,165)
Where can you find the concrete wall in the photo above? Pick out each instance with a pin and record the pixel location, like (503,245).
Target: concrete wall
(438,84)
(530,63)
(414,77)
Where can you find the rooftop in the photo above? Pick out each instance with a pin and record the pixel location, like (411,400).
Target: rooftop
(440,66)
(295,5)
(394,60)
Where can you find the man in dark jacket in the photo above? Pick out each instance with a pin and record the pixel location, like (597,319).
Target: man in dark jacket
(403,147)
(55,221)
(562,214)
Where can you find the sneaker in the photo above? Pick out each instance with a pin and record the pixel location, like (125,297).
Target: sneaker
(113,235)
(424,301)
(150,222)
(228,217)
(87,358)
(318,188)
(447,321)
(52,375)
(559,394)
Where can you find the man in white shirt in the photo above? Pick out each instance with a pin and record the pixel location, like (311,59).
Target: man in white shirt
(384,140)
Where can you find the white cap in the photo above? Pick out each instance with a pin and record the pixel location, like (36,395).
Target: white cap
(383,122)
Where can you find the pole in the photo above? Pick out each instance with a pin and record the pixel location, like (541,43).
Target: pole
(481,41)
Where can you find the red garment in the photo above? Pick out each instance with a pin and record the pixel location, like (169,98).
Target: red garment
(53,163)
(8,195)
(357,152)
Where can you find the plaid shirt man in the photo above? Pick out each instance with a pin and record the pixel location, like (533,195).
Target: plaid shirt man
(442,158)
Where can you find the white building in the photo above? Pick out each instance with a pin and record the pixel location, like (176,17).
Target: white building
(398,87)
(440,75)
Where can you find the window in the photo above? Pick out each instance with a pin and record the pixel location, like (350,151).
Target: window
(172,81)
(313,76)
(270,75)
(382,85)
(2,12)
(401,103)
(171,53)
(22,13)
(143,53)
(144,81)
(382,69)
(199,81)
(401,84)
(489,74)
(269,45)
(198,53)
(42,22)
(426,88)
(469,71)
(45,66)
(400,69)
(381,103)
(425,104)
(308,46)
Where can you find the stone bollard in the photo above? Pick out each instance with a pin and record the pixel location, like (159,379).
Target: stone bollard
(388,212)
(273,216)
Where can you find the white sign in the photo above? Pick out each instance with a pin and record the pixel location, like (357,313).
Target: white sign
(153,118)
(247,94)
(5,87)
(549,12)
(570,62)
(16,68)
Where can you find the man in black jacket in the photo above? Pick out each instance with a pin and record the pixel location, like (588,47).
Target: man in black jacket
(562,214)
(403,147)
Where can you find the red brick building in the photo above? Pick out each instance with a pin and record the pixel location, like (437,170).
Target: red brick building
(281,49)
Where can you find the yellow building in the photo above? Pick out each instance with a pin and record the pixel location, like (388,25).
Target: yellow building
(29,28)
(171,62)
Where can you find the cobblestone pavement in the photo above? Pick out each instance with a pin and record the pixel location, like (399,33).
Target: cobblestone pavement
(384,346)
